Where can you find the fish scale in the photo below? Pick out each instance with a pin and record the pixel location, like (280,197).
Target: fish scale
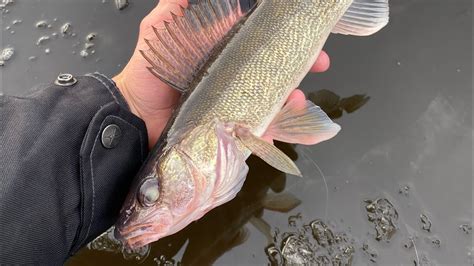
(261,65)
(256,71)
(236,70)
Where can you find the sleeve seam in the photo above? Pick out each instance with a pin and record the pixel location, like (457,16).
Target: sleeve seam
(107,86)
(92,167)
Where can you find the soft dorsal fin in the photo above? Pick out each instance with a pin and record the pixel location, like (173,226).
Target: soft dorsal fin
(363,17)
(185,44)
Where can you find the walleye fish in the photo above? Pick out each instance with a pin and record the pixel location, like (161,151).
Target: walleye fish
(236,70)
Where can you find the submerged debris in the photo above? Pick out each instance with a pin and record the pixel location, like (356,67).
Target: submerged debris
(296,251)
(121,4)
(4,4)
(423,261)
(436,242)
(87,50)
(384,216)
(321,233)
(404,190)
(466,228)
(163,261)
(66,29)
(370,253)
(409,242)
(91,36)
(426,222)
(7,54)
(293,219)
(42,24)
(88,45)
(43,39)
(311,244)
(274,255)
(84,53)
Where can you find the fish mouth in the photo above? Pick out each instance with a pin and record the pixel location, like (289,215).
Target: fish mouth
(135,237)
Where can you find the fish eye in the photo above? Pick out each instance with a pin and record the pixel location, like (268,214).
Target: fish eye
(149,192)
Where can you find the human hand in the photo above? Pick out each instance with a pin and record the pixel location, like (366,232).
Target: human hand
(148,97)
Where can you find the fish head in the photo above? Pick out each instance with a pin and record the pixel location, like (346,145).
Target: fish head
(160,203)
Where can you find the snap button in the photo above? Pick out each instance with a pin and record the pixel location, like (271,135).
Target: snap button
(111,136)
(65,80)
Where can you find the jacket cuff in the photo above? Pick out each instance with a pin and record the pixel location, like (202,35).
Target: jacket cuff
(111,87)
(113,149)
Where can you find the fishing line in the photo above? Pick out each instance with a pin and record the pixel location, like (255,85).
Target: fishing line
(416,251)
(412,236)
(323,177)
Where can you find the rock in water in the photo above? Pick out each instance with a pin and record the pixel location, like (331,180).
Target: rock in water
(121,4)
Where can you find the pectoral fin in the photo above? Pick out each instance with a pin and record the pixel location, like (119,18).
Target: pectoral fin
(303,124)
(364,17)
(267,152)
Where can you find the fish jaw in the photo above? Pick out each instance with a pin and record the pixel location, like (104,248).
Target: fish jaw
(142,231)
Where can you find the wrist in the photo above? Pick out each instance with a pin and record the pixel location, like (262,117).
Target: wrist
(121,84)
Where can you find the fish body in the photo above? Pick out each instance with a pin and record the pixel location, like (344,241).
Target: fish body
(238,96)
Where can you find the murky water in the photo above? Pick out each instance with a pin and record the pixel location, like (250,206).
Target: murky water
(397,186)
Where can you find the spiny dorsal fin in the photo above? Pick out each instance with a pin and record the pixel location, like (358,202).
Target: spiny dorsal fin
(185,44)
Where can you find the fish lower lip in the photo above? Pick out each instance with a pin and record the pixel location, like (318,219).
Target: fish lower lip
(135,239)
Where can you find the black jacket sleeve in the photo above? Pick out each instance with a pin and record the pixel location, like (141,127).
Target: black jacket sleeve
(68,154)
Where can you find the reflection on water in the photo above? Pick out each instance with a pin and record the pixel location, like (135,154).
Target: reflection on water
(222,229)
(334,105)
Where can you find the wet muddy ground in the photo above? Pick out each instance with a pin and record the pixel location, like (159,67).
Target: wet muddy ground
(397,186)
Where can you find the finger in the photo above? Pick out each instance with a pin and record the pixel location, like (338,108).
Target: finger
(296,95)
(322,63)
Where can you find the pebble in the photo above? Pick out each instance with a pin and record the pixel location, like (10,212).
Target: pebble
(66,29)
(91,36)
(426,222)
(7,54)
(42,24)
(121,4)
(42,40)
(84,53)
